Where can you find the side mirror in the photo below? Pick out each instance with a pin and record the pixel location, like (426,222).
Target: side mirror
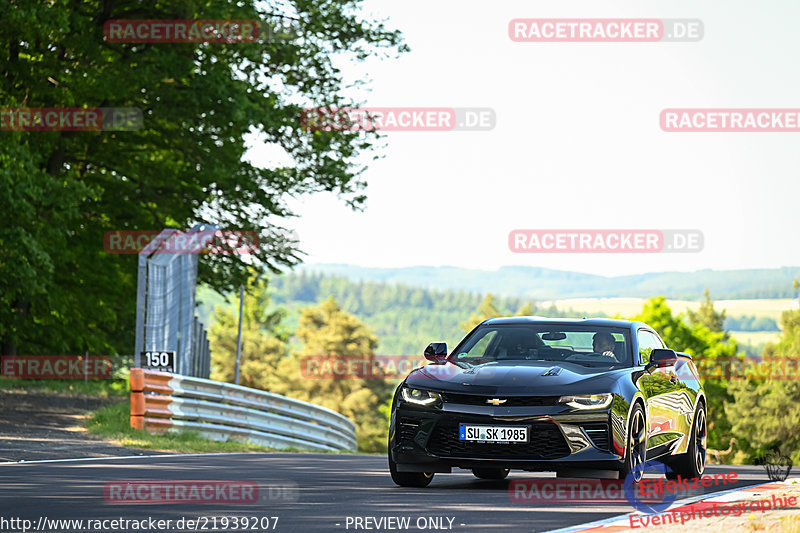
(436,352)
(661,357)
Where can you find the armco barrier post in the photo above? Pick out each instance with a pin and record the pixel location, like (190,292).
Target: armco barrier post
(137,398)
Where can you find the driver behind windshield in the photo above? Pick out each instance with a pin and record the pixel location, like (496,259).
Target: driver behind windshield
(603,343)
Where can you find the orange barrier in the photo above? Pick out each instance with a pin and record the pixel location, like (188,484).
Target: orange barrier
(150,399)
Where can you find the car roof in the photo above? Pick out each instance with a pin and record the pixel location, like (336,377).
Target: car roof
(607,322)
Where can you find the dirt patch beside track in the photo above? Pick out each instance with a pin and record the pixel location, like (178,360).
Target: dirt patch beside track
(36,425)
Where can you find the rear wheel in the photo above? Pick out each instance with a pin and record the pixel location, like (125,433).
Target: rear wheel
(409,479)
(490,473)
(636,446)
(692,464)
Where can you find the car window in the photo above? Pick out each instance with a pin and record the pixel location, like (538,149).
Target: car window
(543,342)
(647,343)
(481,346)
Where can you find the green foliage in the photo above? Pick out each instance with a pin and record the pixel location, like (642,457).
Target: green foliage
(526,310)
(202,103)
(487,309)
(708,316)
(94,387)
(691,334)
(264,340)
(269,364)
(690,337)
(328,330)
(767,412)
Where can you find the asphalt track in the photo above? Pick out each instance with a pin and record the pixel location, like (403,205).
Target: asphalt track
(308,492)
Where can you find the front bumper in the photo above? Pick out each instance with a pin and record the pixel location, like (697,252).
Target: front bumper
(427,439)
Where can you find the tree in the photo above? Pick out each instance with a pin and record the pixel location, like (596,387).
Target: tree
(327,330)
(202,103)
(486,309)
(703,344)
(708,316)
(767,412)
(526,310)
(264,341)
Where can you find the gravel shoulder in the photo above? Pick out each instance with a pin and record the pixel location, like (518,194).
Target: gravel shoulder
(38,425)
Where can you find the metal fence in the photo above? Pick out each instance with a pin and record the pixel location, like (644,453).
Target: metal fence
(165,307)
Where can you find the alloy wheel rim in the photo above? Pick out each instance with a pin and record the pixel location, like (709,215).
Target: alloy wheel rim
(700,437)
(636,446)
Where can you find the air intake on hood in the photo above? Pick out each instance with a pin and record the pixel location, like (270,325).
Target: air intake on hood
(553,371)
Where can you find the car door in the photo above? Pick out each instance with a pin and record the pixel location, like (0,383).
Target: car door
(661,390)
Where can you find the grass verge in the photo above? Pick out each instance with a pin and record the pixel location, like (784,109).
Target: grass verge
(96,387)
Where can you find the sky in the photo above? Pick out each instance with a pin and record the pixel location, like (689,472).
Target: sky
(577,142)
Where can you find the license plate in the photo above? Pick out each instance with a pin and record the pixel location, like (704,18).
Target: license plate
(493,433)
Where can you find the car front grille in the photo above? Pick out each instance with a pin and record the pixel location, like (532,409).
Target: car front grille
(598,432)
(510,401)
(546,442)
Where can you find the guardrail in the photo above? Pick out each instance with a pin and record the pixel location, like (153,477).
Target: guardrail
(163,402)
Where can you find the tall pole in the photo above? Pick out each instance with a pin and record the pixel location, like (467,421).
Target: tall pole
(239,336)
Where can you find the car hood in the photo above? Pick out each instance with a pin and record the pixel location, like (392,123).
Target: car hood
(523,378)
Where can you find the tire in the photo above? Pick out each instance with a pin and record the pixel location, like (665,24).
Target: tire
(635,445)
(490,473)
(409,479)
(692,464)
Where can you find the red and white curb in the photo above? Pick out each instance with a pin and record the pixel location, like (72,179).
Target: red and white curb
(623,522)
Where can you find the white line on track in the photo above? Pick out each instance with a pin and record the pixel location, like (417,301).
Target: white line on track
(110,457)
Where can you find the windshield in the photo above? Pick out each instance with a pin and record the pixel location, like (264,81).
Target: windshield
(584,345)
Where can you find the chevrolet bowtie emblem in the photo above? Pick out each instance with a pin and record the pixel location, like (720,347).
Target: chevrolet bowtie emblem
(495,401)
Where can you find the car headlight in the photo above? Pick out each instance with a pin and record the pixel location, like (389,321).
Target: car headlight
(419,396)
(587,401)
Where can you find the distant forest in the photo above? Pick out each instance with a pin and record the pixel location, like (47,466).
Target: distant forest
(404,318)
(750,323)
(547,284)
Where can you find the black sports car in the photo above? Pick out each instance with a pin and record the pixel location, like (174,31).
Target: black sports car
(549,394)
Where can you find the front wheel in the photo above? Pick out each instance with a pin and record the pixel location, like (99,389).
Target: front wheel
(692,464)
(409,479)
(490,473)
(636,446)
